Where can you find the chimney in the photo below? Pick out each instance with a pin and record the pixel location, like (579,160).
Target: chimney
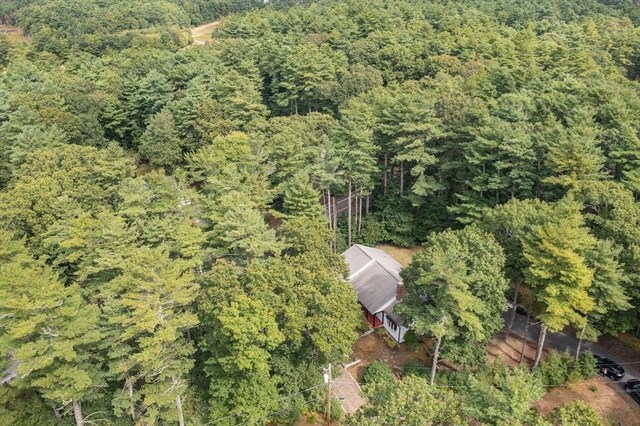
(400,290)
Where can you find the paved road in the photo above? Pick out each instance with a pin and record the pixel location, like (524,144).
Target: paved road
(562,342)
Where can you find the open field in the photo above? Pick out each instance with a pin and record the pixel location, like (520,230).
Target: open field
(202,34)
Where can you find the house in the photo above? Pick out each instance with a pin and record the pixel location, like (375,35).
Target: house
(375,276)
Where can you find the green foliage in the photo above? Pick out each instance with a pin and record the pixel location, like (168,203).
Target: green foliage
(379,382)
(462,271)
(160,143)
(378,372)
(521,116)
(416,403)
(561,368)
(4,49)
(576,413)
(504,397)
(50,334)
(412,339)
(300,198)
(414,368)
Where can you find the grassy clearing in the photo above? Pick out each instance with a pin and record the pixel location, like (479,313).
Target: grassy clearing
(202,34)
(13,33)
(401,254)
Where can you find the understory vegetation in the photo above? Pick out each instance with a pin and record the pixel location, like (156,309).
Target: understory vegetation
(169,244)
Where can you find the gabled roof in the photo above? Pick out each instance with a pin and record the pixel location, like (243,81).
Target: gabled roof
(374,275)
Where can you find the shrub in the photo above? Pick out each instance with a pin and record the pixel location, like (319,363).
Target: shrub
(576,413)
(364,325)
(379,381)
(412,339)
(378,372)
(586,366)
(554,371)
(561,368)
(414,368)
(373,232)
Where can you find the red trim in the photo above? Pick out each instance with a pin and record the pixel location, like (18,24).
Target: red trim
(373,320)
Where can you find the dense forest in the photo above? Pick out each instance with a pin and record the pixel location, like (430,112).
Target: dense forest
(169,253)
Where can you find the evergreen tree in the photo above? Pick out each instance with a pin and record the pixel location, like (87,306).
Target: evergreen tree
(160,143)
(49,332)
(300,198)
(147,309)
(559,274)
(461,272)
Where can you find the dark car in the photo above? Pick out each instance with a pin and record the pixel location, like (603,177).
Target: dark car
(520,310)
(633,389)
(608,368)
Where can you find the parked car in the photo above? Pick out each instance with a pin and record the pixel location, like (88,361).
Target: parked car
(520,310)
(633,389)
(608,368)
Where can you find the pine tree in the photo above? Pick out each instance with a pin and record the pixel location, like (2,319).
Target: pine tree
(48,330)
(413,128)
(461,272)
(356,152)
(160,143)
(147,309)
(559,274)
(300,198)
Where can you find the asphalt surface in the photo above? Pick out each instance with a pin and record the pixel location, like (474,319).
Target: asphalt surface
(562,342)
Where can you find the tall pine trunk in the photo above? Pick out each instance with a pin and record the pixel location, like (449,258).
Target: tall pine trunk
(328,209)
(130,390)
(349,224)
(541,338)
(335,223)
(56,411)
(360,216)
(401,177)
(180,413)
(434,363)
(513,310)
(580,340)
(524,341)
(384,179)
(357,202)
(77,413)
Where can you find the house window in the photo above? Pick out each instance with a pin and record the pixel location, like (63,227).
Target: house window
(392,325)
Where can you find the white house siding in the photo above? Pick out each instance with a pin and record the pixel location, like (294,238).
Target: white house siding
(398,333)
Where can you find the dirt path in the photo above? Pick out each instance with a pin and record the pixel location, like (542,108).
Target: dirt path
(202,34)
(347,390)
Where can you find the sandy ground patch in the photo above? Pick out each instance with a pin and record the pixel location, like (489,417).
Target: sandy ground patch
(509,350)
(202,34)
(606,397)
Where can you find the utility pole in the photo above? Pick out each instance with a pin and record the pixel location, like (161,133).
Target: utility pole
(327,379)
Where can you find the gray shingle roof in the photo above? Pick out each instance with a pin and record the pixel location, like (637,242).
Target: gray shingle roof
(374,275)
